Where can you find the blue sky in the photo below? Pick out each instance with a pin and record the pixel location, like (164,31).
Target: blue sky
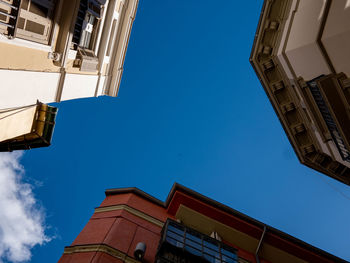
(190,110)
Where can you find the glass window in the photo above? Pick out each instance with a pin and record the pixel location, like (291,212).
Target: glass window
(87,24)
(194,245)
(193,251)
(198,244)
(193,237)
(175,236)
(209,258)
(228,259)
(228,253)
(209,244)
(179,231)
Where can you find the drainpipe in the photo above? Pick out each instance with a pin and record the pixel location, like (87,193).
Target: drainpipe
(259,246)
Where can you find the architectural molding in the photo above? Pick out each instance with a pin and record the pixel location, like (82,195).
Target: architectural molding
(103,248)
(131,210)
(283,96)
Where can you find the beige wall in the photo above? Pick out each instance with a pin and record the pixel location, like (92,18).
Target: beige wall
(22,58)
(302,50)
(16,122)
(336,36)
(26,69)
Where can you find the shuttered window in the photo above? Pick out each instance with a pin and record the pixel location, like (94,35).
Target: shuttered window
(35,20)
(8,16)
(87,24)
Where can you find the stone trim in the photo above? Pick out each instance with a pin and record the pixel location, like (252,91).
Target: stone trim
(131,210)
(282,95)
(100,248)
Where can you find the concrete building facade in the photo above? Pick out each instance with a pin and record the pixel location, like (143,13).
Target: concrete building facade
(187,227)
(301,57)
(55,50)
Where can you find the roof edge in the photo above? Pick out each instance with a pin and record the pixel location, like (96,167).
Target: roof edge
(224,208)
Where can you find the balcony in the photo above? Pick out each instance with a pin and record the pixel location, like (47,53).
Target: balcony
(185,245)
(333,112)
(27,127)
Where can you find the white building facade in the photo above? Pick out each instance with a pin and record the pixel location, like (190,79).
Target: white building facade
(55,50)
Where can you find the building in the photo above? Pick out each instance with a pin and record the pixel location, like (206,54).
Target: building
(301,57)
(187,227)
(55,50)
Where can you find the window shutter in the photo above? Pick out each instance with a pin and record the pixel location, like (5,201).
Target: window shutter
(35,20)
(8,16)
(87,24)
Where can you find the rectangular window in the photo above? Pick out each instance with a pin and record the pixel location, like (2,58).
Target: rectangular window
(183,244)
(329,119)
(27,19)
(87,24)
(8,16)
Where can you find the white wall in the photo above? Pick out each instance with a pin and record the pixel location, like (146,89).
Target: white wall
(79,86)
(21,88)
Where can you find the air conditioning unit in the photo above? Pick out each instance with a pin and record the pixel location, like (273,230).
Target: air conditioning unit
(86,60)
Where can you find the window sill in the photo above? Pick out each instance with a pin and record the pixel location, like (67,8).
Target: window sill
(25,43)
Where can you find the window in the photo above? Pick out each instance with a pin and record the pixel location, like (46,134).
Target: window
(27,19)
(87,24)
(183,244)
(329,119)
(35,20)
(8,16)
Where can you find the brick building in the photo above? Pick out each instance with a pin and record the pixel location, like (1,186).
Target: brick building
(187,227)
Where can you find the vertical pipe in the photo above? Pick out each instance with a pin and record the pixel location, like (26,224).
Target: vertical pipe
(259,246)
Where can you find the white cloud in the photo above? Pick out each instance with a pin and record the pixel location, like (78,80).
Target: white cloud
(21,217)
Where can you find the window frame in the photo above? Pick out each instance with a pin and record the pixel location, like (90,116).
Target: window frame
(48,46)
(180,237)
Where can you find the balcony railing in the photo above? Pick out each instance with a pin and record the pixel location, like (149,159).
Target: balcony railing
(185,245)
(329,120)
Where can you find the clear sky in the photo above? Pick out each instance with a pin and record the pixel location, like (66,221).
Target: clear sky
(190,110)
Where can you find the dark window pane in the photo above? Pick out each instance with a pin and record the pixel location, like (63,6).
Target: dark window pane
(35,27)
(38,9)
(24,4)
(3,17)
(205,248)
(176,230)
(210,258)
(209,244)
(20,24)
(228,259)
(194,244)
(228,253)
(193,251)
(211,252)
(175,236)
(174,242)
(193,237)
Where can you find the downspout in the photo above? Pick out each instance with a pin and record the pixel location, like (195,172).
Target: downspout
(259,246)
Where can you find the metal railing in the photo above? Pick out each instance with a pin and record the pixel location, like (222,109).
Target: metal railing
(11,15)
(183,244)
(329,120)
